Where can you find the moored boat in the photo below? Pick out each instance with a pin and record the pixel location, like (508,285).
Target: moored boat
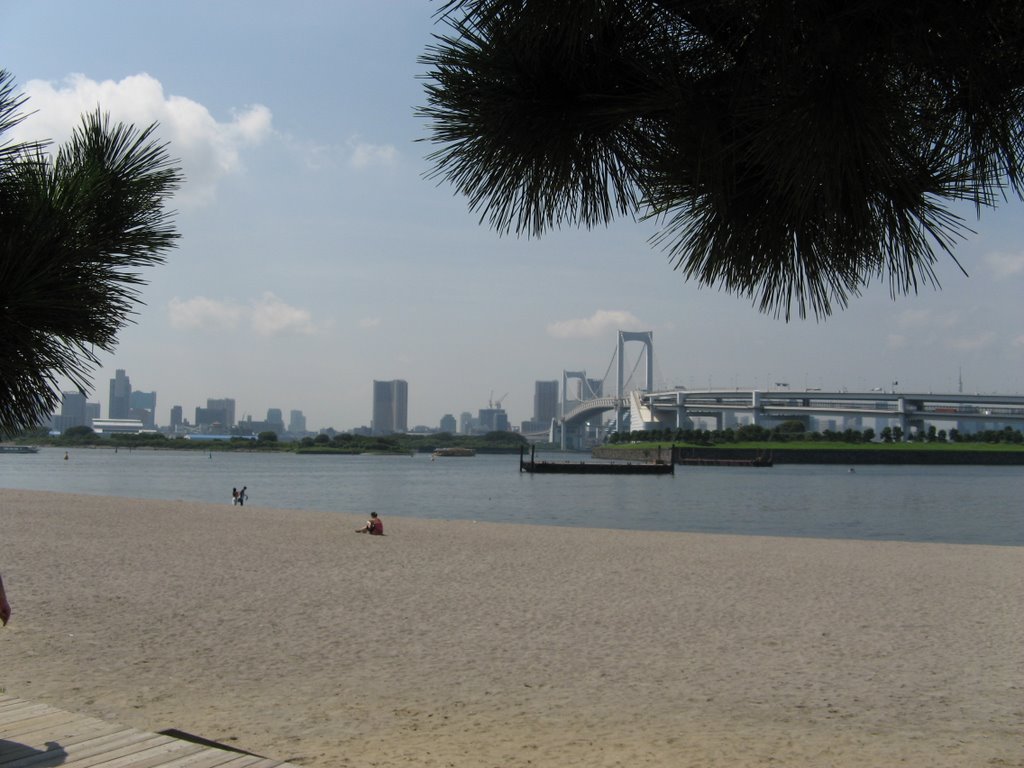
(448,452)
(18,449)
(594,468)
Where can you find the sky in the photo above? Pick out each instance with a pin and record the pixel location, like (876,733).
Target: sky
(316,256)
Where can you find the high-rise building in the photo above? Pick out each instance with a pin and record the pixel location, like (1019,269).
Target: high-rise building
(226,404)
(139,399)
(72,407)
(120,404)
(448,424)
(275,420)
(176,417)
(210,417)
(296,422)
(545,401)
(390,407)
(143,407)
(72,413)
(492,420)
(545,408)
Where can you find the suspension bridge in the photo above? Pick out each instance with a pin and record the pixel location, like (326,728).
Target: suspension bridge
(639,405)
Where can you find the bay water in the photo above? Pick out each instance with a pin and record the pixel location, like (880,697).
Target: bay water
(976,505)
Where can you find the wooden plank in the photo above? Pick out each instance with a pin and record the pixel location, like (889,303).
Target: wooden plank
(92,742)
(10,707)
(49,722)
(215,758)
(37,735)
(142,755)
(89,753)
(13,712)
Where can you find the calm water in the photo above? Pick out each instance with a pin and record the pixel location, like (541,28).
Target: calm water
(983,505)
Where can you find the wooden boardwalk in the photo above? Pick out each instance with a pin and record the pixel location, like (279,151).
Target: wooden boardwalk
(40,736)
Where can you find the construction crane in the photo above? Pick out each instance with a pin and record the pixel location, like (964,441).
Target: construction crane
(492,403)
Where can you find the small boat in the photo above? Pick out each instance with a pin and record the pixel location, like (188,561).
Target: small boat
(18,449)
(448,452)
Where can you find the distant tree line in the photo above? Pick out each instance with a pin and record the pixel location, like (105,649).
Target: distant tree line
(492,442)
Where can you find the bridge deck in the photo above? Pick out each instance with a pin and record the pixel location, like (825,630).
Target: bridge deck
(38,735)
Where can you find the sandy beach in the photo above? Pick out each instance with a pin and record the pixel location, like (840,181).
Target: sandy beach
(284,633)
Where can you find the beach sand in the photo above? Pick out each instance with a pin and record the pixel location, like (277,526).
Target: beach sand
(473,644)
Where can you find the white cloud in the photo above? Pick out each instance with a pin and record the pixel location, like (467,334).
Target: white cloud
(271,316)
(207,149)
(354,153)
(203,313)
(895,341)
(918,319)
(364,155)
(369,322)
(914,318)
(601,323)
(971,343)
(312,155)
(1004,264)
(267,315)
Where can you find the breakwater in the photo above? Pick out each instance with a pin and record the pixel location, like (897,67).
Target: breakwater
(873,455)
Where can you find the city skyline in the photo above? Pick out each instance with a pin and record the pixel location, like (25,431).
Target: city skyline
(389,406)
(317,256)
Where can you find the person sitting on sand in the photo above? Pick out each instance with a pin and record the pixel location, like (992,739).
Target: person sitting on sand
(374,526)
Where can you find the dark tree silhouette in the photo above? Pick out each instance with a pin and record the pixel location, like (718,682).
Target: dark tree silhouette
(74,229)
(791,150)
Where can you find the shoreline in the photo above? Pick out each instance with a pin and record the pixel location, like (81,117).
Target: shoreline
(874,456)
(478,644)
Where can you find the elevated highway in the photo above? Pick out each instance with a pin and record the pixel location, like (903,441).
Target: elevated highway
(908,409)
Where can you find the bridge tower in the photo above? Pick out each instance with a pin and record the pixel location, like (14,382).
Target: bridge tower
(647,338)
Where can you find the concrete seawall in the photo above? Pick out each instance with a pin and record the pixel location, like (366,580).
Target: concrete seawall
(824,456)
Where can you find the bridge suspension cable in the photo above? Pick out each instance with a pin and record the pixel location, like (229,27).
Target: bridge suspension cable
(660,382)
(628,383)
(607,373)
